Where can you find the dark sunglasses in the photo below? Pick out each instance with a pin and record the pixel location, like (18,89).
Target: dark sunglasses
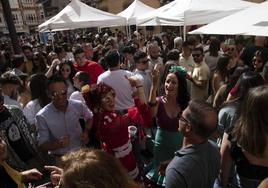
(231,49)
(59,93)
(181,118)
(196,55)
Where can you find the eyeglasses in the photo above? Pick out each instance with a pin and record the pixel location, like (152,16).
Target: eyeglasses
(181,118)
(59,93)
(231,49)
(196,55)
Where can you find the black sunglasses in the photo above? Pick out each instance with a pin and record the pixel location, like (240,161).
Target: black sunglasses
(231,49)
(181,118)
(196,55)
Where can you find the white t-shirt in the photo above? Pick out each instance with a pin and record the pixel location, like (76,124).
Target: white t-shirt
(123,90)
(77,95)
(31,109)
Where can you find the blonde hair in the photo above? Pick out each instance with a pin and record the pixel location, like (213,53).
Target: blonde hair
(87,168)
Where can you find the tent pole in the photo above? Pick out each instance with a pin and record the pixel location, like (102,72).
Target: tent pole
(126,30)
(184,32)
(52,39)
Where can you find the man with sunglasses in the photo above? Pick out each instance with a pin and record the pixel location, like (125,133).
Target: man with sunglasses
(58,126)
(197,163)
(142,64)
(200,76)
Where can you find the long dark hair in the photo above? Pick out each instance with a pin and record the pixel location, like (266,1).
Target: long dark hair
(183,97)
(37,84)
(222,65)
(73,71)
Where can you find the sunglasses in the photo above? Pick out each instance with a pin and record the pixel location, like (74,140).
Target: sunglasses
(59,93)
(181,118)
(231,49)
(196,55)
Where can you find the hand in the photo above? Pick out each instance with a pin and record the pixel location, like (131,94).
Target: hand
(123,66)
(84,137)
(189,77)
(155,76)
(64,141)
(162,167)
(133,81)
(32,174)
(55,174)
(55,62)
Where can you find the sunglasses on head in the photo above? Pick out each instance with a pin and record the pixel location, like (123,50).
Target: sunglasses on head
(59,93)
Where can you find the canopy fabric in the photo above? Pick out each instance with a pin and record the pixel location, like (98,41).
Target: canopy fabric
(192,12)
(251,21)
(134,10)
(79,15)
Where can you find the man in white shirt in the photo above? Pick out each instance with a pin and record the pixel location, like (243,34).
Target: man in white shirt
(142,63)
(81,82)
(116,78)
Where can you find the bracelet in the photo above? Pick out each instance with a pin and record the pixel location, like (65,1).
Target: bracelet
(139,86)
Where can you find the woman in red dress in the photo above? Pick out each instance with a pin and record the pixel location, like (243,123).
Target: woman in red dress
(112,127)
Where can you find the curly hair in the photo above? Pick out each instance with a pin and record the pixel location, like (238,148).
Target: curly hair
(87,168)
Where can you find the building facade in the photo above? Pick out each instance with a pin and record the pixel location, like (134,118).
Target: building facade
(27,15)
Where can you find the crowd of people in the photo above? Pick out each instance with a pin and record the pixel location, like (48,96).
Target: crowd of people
(146,111)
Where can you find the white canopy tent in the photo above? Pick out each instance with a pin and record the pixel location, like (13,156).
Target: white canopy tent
(251,21)
(192,12)
(134,10)
(79,15)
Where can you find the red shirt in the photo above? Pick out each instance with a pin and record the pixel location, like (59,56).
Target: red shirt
(92,68)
